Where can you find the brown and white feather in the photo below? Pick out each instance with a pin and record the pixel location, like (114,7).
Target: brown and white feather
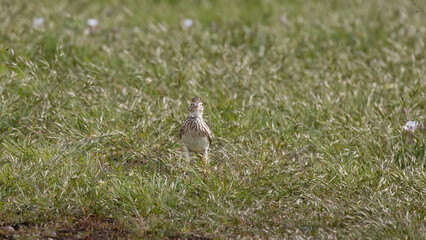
(194,132)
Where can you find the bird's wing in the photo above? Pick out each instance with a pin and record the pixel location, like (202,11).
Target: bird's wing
(181,130)
(210,138)
(209,135)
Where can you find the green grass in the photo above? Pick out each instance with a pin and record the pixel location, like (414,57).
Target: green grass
(307,119)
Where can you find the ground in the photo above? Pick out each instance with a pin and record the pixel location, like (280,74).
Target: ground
(307,102)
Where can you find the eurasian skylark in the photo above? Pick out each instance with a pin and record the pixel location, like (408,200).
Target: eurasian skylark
(195,133)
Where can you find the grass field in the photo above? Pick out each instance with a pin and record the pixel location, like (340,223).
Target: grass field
(305,100)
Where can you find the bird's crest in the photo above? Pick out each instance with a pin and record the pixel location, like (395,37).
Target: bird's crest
(196,100)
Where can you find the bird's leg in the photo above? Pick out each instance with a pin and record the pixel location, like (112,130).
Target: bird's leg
(187,159)
(206,155)
(206,158)
(202,159)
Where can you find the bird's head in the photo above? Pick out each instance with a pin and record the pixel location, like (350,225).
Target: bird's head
(196,108)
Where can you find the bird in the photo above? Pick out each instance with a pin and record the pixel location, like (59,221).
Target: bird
(195,133)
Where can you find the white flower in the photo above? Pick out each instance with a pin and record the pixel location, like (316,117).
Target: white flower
(187,23)
(38,22)
(283,19)
(410,126)
(136,30)
(92,22)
